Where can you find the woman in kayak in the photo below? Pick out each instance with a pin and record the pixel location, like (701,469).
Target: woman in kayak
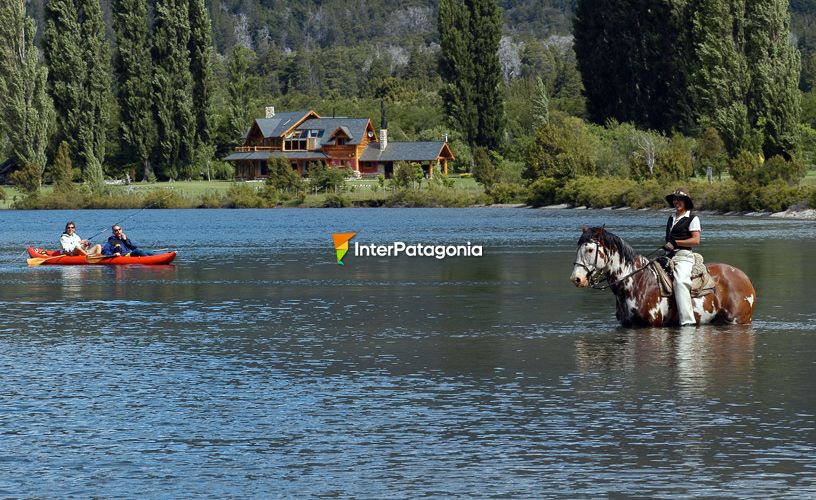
(72,244)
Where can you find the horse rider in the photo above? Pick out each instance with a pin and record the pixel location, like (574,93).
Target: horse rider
(682,235)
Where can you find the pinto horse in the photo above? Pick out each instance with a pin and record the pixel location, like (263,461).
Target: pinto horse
(602,255)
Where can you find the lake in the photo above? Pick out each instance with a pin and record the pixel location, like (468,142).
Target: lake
(257,366)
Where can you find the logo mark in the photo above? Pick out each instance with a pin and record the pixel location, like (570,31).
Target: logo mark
(341,245)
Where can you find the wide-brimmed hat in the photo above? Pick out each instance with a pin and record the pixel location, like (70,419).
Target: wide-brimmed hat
(681,193)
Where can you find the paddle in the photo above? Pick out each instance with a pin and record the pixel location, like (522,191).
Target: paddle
(36,261)
(97,258)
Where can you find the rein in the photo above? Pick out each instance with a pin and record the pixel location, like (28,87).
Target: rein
(596,276)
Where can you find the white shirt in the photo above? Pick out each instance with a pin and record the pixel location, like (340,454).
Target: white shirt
(70,242)
(694,225)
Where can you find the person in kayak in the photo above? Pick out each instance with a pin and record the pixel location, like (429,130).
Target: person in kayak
(73,244)
(119,244)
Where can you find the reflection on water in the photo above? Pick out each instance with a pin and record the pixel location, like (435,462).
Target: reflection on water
(694,357)
(286,375)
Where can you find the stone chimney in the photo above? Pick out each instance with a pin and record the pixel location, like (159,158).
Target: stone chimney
(270,111)
(383,127)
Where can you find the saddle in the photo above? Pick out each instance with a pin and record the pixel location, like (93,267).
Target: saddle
(702,283)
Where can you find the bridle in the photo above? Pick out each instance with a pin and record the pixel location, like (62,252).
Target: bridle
(594,275)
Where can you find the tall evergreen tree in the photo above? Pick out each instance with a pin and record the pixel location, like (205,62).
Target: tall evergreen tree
(239,90)
(486,31)
(26,110)
(79,58)
(541,104)
(630,55)
(469,33)
(718,71)
(134,69)
(773,96)
(173,87)
(97,95)
(61,47)
(201,52)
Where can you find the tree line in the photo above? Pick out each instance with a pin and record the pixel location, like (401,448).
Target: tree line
(159,92)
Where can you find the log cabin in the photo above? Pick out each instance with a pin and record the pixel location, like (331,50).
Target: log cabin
(303,137)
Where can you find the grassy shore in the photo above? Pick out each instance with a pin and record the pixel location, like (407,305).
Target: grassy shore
(721,195)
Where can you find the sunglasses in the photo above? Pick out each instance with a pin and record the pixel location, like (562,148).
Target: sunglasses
(117,230)
(70,227)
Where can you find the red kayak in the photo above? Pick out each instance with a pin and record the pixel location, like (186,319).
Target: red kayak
(44,257)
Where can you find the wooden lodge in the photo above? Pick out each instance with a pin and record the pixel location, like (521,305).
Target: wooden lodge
(303,137)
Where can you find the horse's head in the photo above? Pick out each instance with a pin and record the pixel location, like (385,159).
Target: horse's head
(592,259)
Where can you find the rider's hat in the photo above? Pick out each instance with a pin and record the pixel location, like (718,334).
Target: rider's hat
(681,193)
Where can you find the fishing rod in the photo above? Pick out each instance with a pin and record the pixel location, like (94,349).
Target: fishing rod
(134,214)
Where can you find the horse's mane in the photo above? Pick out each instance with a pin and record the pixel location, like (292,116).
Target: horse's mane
(611,241)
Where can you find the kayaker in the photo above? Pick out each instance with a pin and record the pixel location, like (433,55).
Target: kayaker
(72,244)
(119,244)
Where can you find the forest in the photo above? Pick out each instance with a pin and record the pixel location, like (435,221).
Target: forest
(168,86)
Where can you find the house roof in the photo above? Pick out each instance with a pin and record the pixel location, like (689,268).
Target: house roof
(407,151)
(280,123)
(265,155)
(354,127)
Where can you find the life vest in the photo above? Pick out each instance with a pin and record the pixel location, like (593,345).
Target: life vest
(680,231)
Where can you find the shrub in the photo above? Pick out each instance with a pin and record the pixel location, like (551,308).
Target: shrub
(164,198)
(562,151)
(647,194)
(596,192)
(484,170)
(507,193)
(778,196)
(210,199)
(434,198)
(407,175)
(241,195)
(722,196)
(778,168)
(336,201)
(542,192)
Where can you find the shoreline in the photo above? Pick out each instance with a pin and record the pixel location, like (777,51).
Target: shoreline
(802,214)
(799,214)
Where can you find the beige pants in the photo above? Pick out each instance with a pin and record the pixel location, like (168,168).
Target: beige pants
(683,262)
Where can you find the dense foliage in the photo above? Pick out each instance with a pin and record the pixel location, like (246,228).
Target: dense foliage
(650,91)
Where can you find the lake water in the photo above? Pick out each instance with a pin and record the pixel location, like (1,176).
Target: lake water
(256,366)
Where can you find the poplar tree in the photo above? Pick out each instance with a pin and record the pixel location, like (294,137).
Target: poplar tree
(61,47)
(718,71)
(469,33)
(486,31)
(773,95)
(173,87)
(239,90)
(134,70)
(78,56)
(541,104)
(26,109)
(201,51)
(631,57)
(97,95)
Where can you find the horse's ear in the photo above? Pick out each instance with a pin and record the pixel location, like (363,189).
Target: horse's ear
(586,228)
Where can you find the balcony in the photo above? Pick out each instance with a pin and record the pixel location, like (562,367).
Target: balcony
(252,149)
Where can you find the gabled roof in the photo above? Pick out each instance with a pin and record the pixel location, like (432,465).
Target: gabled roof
(354,127)
(281,123)
(408,151)
(265,155)
(341,130)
